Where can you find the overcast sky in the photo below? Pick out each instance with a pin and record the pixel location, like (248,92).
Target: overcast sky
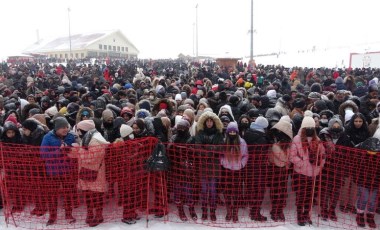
(165,28)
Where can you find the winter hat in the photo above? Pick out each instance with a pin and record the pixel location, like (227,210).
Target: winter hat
(144,105)
(284,126)
(260,124)
(107,114)
(34,111)
(162,106)
(86,125)
(314,95)
(316,87)
(308,122)
(60,122)
(239,94)
(253,113)
(271,94)
(116,86)
(126,130)
(178,97)
(12,119)
(299,103)
(320,105)
(142,113)
(30,124)
(189,102)
(128,86)
(51,111)
(372,88)
(183,124)
(232,126)
(308,113)
(183,95)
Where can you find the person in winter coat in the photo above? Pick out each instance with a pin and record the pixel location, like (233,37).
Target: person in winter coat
(256,169)
(368,177)
(108,118)
(278,164)
(209,136)
(233,160)
(54,149)
(183,170)
(369,101)
(91,156)
(32,135)
(333,170)
(15,167)
(307,155)
(243,124)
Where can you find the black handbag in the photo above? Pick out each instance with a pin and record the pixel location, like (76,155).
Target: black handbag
(158,161)
(88,175)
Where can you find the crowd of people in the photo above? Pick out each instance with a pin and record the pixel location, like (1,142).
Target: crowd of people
(300,114)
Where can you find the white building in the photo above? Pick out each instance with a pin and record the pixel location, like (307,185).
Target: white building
(113,44)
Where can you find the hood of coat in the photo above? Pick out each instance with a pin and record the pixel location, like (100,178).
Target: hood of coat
(347,104)
(205,116)
(90,112)
(229,110)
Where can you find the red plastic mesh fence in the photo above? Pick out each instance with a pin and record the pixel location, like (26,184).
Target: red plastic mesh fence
(260,189)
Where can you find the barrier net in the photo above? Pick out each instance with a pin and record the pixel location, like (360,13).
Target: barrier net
(267,187)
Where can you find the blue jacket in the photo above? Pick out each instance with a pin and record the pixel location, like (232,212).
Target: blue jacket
(56,160)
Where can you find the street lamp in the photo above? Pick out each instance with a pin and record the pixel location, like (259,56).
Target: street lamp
(68,13)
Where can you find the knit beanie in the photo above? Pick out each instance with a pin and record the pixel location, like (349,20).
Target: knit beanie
(107,114)
(144,105)
(34,111)
(178,97)
(308,113)
(30,124)
(308,122)
(284,126)
(60,122)
(126,130)
(232,126)
(86,125)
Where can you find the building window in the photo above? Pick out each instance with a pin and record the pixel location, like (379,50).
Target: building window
(118,48)
(100,46)
(122,48)
(60,55)
(126,49)
(114,48)
(55,55)
(76,55)
(66,55)
(105,47)
(114,40)
(109,48)
(82,55)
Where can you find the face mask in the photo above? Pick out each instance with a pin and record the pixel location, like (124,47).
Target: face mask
(324,121)
(107,125)
(309,132)
(232,137)
(244,125)
(181,132)
(151,97)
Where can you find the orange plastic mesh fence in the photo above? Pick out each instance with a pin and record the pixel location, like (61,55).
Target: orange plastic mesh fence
(209,185)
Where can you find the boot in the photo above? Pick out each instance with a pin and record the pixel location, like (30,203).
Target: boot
(69,216)
(212,214)
(332,215)
(229,214)
(98,218)
(90,216)
(300,218)
(281,216)
(360,220)
(371,220)
(193,214)
(256,215)
(324,215)
(204,214)
(306,216)
(235,215)
(181,213)
(52,219)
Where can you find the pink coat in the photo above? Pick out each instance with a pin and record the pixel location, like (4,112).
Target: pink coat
(93,159)
(300,158)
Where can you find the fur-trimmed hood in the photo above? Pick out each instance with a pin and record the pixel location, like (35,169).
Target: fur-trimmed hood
(142,112)
(81,110)
(214,117)
(348,104)
(26,109)
(156,107)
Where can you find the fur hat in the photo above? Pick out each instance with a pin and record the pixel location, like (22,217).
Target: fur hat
(308,122)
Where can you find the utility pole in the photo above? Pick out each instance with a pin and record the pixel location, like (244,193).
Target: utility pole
(251,53)
(196,30)
(68,13)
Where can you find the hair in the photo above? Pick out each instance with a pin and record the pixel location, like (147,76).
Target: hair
(314,141)
(233,153)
